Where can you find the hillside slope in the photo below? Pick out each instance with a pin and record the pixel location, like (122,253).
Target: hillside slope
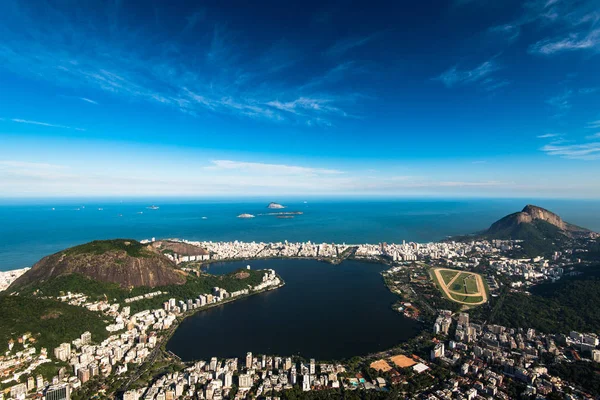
(125,262)
(533,221)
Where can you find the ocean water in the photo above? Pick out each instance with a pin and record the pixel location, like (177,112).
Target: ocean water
(32,229)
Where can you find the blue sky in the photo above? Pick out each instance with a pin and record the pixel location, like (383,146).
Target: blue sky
(428,98)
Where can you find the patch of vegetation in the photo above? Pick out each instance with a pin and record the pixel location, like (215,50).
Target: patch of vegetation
(447,276)
(560,307)
(77,283)
(582,373)
(97,290)
(471,285)
(473,299)
(50,322)
(132,247)
(539,237)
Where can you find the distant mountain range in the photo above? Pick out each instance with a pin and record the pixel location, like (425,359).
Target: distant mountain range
(125,262)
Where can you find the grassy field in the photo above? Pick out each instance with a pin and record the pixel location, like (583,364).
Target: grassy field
(465,283)
(471,285)
(447,276)
(466,299)
(472,299)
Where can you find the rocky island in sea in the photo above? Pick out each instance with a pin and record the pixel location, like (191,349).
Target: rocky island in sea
(275,206)
(245,215)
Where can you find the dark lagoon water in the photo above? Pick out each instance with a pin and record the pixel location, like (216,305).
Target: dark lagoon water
(324,311)
(31,229)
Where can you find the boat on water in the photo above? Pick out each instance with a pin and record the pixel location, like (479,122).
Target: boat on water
(153,207)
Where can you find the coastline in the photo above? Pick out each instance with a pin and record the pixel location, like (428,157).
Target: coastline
(165,337)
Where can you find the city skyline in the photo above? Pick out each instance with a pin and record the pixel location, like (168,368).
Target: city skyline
(457,98)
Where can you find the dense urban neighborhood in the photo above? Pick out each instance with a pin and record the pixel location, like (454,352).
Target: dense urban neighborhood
(461,353)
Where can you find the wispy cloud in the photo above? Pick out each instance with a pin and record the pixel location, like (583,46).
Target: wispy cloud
(32,170)
(269,169)
(593,136)
(586,151)
(509,32)
(560,25)
(548,135)
(593,124)
(572,42)
(589,90)
(343,46)
(88,100)
(25,164)
(301,105)
(222,77)
(561,102)
(491,84)
(30,122)
(455,76)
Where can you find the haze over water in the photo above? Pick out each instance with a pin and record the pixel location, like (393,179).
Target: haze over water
(30,230)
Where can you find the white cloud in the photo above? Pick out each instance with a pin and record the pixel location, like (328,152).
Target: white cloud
(32,170)
(562,101)
(573,42)
(25,164)
(26,121)
(455,76)
(593,124)
(270,169)
(343,46)
(88,100)
(213,73)
(586,151)
(548,135)
(509,31)
(304,105)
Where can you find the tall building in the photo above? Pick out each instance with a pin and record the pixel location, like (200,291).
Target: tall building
(58,392)
(84,375)
(313,367)
(245,381)
(30,384)
(131,395)
(305,383)
(86,338)
(438,351)
(293,377)
(63,352)
(249,360)
(228,381)
(18,390)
